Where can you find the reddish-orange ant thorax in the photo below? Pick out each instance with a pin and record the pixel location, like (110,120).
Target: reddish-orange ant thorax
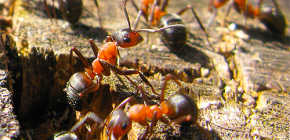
(108,52)
(138,112)
(158,13)
(147,2)
(126,38)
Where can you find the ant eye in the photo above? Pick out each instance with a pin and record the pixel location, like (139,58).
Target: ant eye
(128,40)
(124,125)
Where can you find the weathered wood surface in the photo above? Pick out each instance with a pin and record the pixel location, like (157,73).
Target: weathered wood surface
(42,44)
(10,127)
(263,68)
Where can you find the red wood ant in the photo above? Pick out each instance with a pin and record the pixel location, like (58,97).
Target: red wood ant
(117,123)
(270,16)
(155,14)
(71,10)
(180,109)
(106,59)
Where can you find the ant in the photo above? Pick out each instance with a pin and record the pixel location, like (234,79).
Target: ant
(117,123)
(71,10)
(180,109)
(270,16)
(154,13)
(106,58)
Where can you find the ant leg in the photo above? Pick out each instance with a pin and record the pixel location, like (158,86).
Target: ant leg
(90,115)
(90,89)
(167,78)
(85,62)
(187,118)
(180,120)
(212,17)
(106,70)
(151,16)
(130,99)
(146,102)
(54,13)
(98,12)
(94,47)
(149,129)
(47,10)
(273,1)
(105,65)
(140,12)
(213,6)
(154,119)
(227,12)
(201,129)
(198,20)
(164,5)
(153,123)
(246,15)
(48,13)
(130,72)
(146,132)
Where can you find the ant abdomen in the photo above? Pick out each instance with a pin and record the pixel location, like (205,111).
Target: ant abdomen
(273,19)
(181,105)
(76,85)
(71,10)
(175,38)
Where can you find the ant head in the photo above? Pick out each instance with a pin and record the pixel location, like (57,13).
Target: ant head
(118,124)
(126,37)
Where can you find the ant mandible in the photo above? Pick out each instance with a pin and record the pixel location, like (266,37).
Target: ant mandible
(154,13)
(71,10)
(106,59)
(270,16)
(180,109)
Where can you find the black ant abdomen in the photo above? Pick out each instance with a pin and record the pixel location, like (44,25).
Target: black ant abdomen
(77,84)
(175,38)
(273,19)
(181,105)
(71,10)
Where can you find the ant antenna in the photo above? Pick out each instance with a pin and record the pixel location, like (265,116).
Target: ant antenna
(160,29)
(126,14)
